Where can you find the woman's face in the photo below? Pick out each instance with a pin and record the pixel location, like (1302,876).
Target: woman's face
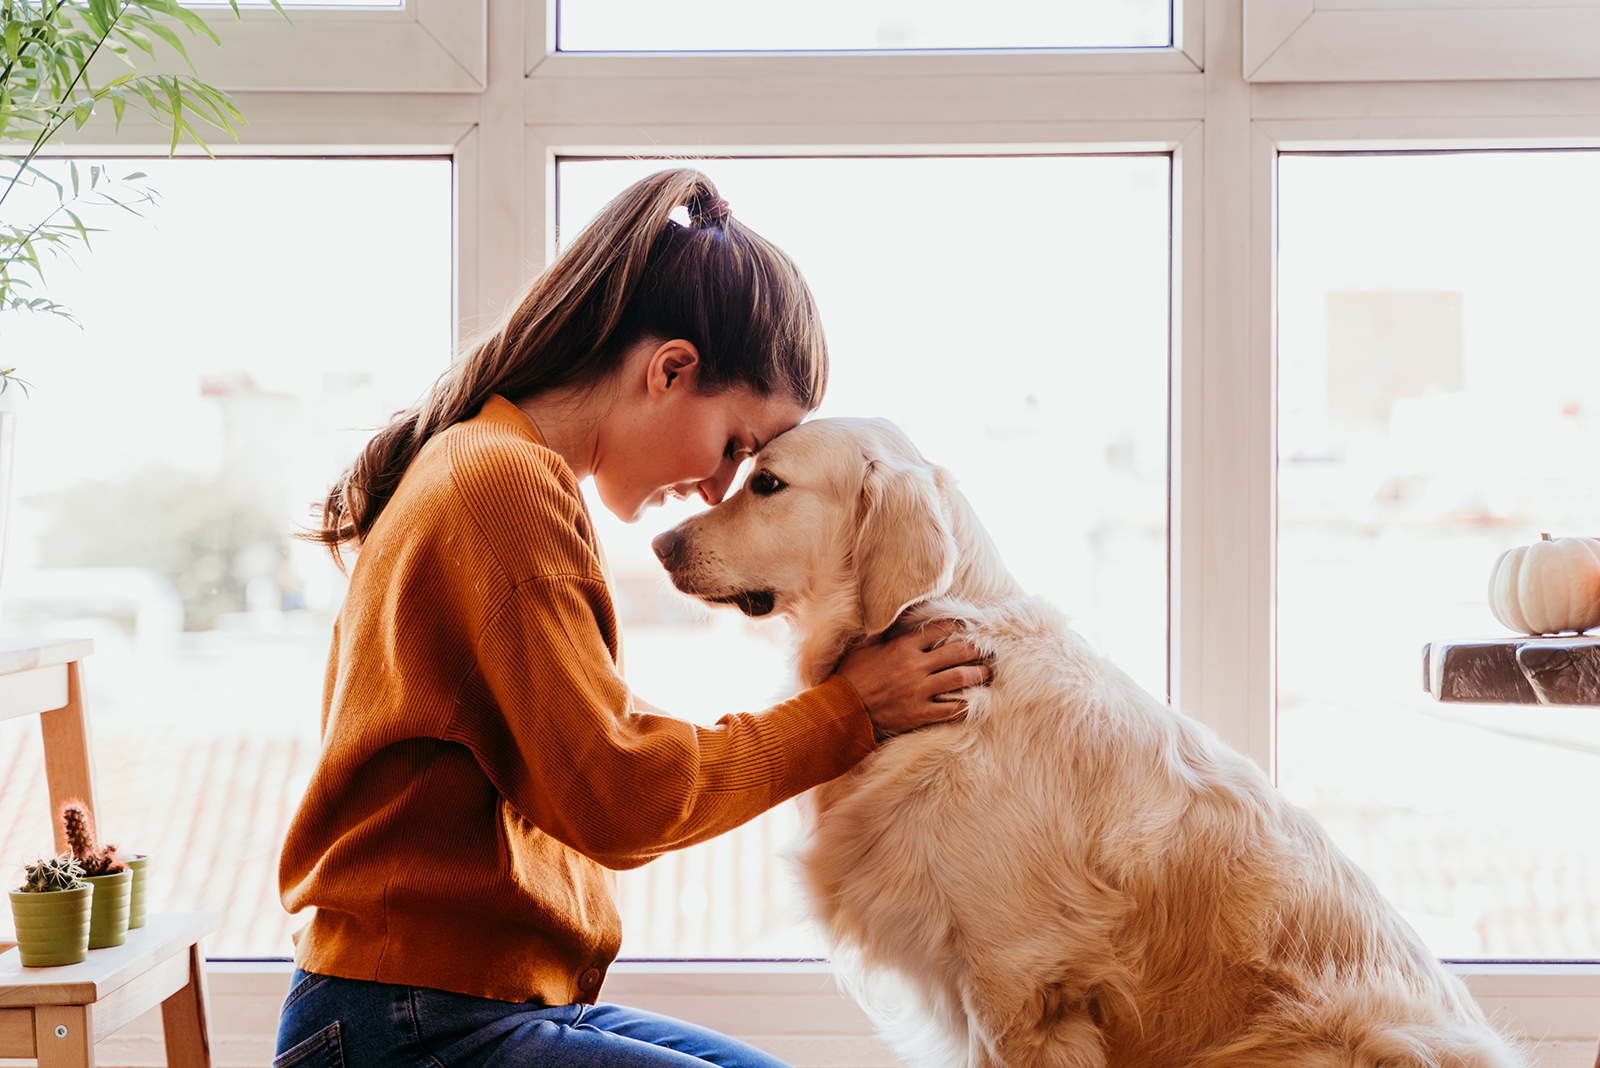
(667,439)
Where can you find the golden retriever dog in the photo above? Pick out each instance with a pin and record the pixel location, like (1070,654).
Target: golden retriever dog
(1073,875)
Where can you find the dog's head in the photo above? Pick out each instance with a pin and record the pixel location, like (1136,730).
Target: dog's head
(841,526)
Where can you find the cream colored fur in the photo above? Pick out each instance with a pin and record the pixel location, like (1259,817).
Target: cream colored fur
(1074,875)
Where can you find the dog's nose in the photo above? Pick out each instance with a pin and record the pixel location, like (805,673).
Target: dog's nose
(668,546)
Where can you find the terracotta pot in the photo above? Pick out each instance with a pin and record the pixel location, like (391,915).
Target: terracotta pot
(52,927)
(108,923)
(136,896)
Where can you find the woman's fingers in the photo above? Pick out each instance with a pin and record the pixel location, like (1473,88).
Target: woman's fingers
(913,679)
(954,679)
(934,639)
(952,665)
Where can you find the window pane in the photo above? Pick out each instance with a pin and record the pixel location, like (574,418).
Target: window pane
(239,343)
(1440,403)
(831,25)
(322,5)
(1011,316)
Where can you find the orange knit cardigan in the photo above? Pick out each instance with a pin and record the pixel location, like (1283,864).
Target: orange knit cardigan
(482,765)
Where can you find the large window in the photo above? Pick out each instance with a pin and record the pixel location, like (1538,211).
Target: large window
(1025,349)
(1440,403)
(1242,81)
(736,25)
(238,345)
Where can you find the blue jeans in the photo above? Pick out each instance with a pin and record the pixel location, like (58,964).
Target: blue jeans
(329,1022)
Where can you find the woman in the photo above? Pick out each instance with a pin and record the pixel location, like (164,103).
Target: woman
(483,763)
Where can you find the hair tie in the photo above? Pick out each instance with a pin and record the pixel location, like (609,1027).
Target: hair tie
(709,210)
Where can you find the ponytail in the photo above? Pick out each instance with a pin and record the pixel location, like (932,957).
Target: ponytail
(634,273)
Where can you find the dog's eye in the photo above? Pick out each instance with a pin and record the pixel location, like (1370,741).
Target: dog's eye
(765,483)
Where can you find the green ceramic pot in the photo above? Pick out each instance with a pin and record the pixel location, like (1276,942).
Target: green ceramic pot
(52,927)
(108,923)
(136,898)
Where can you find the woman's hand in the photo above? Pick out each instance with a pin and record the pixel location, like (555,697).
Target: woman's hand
(902,680)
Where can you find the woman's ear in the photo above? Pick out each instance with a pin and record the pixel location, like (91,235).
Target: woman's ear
(674,365)
(904,550)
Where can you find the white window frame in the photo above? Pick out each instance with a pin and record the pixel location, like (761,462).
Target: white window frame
(1242,84)
(1420,40)
(418,46)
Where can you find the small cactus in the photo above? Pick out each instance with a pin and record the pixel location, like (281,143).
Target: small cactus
(79,827)
(52,873)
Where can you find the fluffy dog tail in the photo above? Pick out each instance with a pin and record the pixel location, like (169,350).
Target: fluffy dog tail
(1373,1028)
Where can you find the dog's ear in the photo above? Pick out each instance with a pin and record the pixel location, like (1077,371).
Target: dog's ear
(904,550)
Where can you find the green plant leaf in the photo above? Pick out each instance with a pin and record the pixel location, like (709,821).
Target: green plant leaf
(162,32)
(46,51)
(175,97)
(138,39)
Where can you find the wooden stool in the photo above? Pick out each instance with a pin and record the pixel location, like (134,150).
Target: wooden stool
(58,1014)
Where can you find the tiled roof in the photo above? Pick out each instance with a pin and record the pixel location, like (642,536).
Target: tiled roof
(210,811)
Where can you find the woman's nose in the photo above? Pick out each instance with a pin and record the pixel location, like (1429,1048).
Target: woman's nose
(713,489)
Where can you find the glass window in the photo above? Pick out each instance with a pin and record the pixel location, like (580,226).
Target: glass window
(1440,403)
(1011,315)
(238,345)
(834,25)
(320,5)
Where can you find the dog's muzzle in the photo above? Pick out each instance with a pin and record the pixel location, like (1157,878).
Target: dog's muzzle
(669,547)
(672,549)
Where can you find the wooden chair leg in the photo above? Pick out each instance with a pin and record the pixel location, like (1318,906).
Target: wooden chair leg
(184,1019)
(62,1036)
(68,753)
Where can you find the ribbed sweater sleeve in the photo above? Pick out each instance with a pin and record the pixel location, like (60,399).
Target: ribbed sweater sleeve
(619,786)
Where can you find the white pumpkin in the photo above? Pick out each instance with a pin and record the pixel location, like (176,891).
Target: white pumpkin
(1548,587)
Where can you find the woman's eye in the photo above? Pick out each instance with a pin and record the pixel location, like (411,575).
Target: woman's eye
(765,484)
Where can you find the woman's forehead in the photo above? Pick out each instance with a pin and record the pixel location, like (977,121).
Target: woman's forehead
(764,418)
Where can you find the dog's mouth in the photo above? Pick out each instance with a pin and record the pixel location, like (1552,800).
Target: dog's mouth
(750,602)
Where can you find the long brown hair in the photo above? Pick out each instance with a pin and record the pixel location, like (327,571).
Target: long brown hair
(634,273)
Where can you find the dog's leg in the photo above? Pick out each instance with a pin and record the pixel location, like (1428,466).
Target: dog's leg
(1020,1025)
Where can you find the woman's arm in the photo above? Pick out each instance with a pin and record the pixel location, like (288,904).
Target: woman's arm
(549,721)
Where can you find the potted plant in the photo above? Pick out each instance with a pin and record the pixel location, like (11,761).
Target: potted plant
(138,903)
(51,909)
(103,869)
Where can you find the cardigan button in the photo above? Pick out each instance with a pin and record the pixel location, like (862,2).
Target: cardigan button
(589,980)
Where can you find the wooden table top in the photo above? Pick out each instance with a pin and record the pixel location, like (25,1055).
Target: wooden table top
(163,935)
(1519,670)
(24,654)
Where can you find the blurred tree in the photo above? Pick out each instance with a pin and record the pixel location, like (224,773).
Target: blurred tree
(207,542)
